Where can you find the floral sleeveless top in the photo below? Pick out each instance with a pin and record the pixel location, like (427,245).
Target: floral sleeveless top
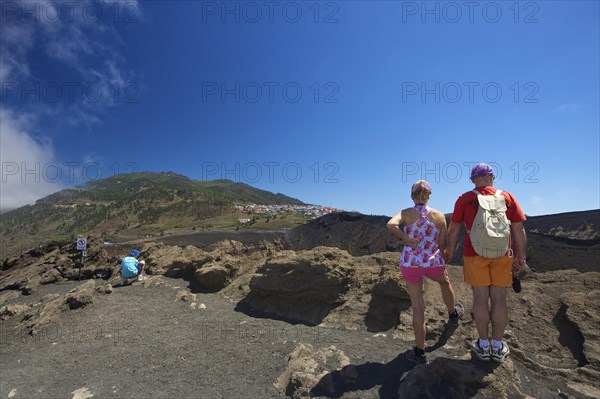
(427,252)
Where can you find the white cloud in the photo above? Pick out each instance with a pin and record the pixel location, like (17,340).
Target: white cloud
(15,41)
(91,47)
(74,43)
(26,164)
(17,35)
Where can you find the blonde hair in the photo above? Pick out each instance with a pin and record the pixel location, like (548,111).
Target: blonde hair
(420,192)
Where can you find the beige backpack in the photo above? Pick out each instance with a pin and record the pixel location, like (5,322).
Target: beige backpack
(490,233)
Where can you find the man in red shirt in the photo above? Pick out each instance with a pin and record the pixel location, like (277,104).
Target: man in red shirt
(488,277)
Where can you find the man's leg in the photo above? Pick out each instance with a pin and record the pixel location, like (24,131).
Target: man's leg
(481,310)
(415,290)
(499,311)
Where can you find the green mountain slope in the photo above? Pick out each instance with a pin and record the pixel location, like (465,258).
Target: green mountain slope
(133,206)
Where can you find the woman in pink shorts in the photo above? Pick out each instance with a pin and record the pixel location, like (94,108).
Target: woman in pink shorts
(424,230)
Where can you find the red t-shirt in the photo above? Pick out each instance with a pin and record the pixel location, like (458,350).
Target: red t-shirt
(466,207)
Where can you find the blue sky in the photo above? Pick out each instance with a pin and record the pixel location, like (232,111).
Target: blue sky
(343,104)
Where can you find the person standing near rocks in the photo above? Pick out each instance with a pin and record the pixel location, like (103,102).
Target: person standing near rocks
(488,264)
(423,234)
(131,267)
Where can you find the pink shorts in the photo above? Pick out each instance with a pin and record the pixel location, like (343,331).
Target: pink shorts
(416,274)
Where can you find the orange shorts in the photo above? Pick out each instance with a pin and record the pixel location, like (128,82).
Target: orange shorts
(481,272)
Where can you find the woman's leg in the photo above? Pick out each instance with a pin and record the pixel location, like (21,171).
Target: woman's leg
(415,290)
(447,291)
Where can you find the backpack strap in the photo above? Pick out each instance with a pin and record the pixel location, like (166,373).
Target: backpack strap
(497,193)
(478,194)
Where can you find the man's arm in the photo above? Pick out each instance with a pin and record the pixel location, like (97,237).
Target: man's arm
(520,239)
(453,231)
(439,220)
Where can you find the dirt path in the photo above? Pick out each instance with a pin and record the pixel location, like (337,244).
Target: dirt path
(142,342)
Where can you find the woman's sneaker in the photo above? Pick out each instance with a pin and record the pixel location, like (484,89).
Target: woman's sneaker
(498,355)
(459,312)
(482,353)
(416,355)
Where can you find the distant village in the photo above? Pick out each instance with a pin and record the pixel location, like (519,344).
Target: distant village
(314,211)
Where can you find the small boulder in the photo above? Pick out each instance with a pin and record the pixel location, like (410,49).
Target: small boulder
(105,289)
(79,300)
(461,377)
(30,288)
(309,369)
(50,277)
(8,311)
(82,295)
(185,296)
(215,275)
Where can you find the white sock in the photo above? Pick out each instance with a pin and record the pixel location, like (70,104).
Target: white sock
(484,343)
(496,344)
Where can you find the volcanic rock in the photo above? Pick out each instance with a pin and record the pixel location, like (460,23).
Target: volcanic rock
(105,289)
(214,276)
(8,311)
(173,261)
(82,295)
(303,286)
(580,309)
(457,379)
(185,296)
(306,368)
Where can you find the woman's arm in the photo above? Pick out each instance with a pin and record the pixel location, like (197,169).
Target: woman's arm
(453,231)
(393,226)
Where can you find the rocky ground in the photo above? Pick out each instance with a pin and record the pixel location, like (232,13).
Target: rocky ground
(555,242)
(237,320)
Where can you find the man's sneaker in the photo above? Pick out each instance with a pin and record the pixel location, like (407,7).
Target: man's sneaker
(416,356)
(141,277)
(498,355)
(459,312)
(482,353)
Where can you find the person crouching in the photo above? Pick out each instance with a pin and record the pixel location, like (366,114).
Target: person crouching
(131,267)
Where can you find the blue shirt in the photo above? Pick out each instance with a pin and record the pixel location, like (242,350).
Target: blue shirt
(129,267)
